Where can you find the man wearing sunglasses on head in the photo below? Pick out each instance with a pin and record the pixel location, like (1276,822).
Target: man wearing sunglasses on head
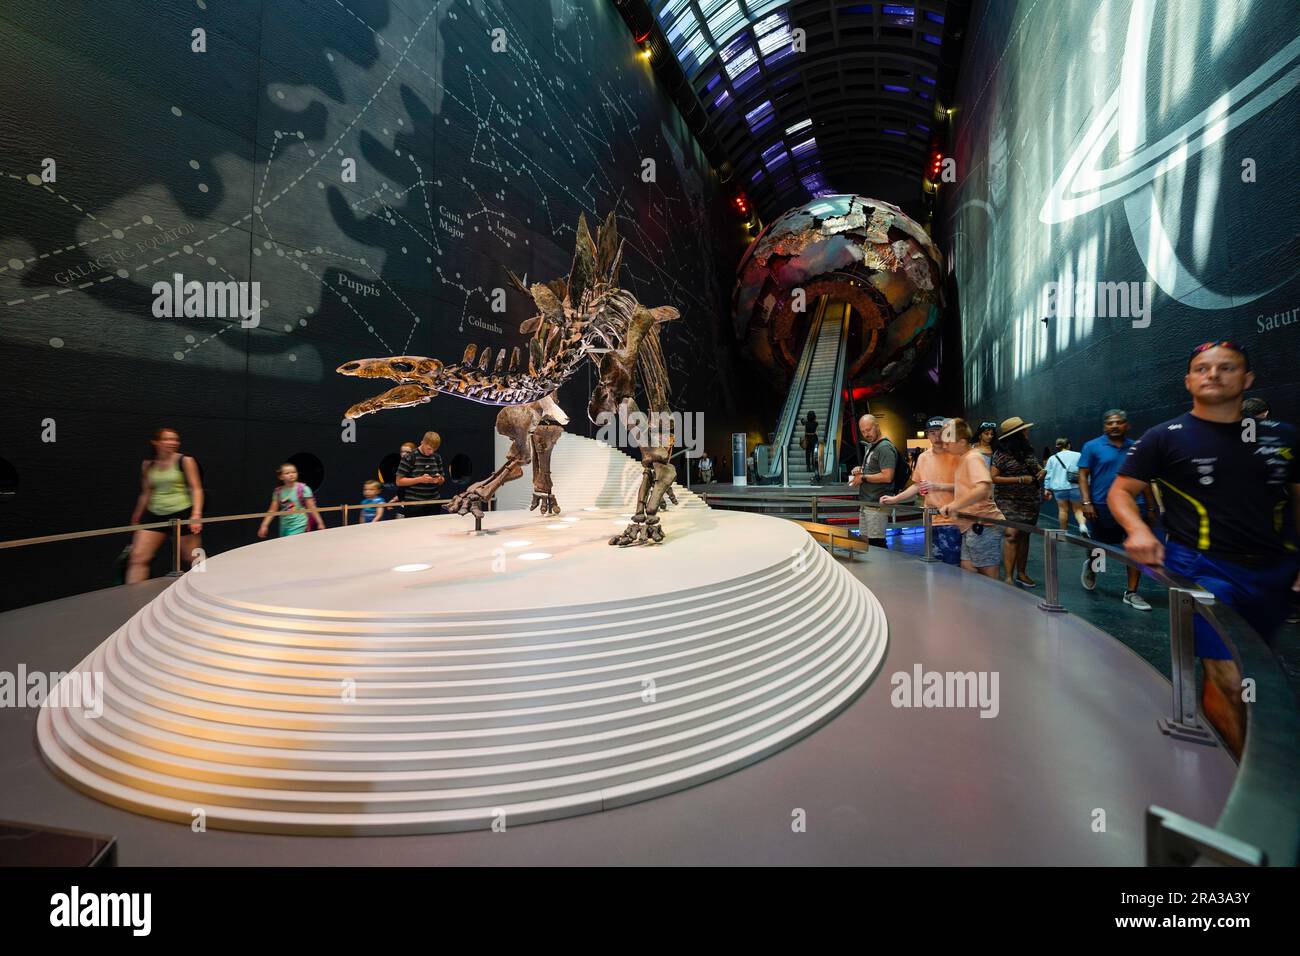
(1229,486)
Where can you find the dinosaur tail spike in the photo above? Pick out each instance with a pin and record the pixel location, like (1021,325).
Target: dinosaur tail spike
(485,359)
(501,362)
(468,357)
(514,359)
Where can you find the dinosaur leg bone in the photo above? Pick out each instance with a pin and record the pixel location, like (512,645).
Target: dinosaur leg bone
(514,422)
(544,437)
(656,478)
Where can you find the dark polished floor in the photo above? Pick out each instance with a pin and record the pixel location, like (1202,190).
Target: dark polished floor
(1075,734)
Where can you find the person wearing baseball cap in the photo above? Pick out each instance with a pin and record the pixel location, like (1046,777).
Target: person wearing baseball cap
(933,478)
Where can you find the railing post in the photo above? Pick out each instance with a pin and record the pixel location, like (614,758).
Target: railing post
(345,514)
(927,526)
(176,549)
(1052,599)
(814,508)
(1185,723)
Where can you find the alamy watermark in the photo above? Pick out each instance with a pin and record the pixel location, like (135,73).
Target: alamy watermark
(83,690)
(949,689)
(1098,300)
(208,300)
(653,430)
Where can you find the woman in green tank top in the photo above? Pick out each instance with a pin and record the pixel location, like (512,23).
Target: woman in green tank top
(170,488)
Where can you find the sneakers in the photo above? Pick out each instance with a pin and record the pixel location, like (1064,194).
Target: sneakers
(1136,601)
(1089,577)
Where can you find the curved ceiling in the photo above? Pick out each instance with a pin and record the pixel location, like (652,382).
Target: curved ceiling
(858,101)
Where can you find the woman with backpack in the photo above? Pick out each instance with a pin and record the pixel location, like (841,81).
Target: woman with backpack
(1016,475)
(170,487)
(294,503)
(1062,486)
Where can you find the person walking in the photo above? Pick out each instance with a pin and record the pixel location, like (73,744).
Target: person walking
(810,442)
(1062,486)
(1225,483)
(170,487)
(1016,474)
(294,502)
(981,544)
(422,474)
(1099,463)
(873,478)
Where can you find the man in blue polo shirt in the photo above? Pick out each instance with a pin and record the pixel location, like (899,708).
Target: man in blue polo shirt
(1099,463)
(1227,484)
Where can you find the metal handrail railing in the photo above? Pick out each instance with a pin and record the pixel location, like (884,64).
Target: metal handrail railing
(828,459)
(346,509)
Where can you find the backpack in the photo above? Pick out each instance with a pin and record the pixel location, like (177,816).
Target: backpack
(312,523)
(1071,474)
(902,466)
(902,469)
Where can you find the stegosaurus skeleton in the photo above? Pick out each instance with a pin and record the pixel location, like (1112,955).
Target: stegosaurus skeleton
(583,316)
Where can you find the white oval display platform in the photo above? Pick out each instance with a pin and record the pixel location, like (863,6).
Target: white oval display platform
(411,676)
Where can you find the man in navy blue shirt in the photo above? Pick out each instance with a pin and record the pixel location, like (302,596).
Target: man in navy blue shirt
(1227,484)
(1099,462)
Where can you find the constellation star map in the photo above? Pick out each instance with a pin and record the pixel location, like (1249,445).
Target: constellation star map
(373,166)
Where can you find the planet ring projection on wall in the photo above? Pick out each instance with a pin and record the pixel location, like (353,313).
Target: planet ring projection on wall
(862,251)
(1083,187)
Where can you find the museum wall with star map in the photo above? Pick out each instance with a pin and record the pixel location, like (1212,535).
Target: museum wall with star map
(1156,149)
(478,131)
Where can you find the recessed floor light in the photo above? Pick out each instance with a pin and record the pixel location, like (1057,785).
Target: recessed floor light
(590,509)
(570,520)
(408,568)
(557,527)
(534,556)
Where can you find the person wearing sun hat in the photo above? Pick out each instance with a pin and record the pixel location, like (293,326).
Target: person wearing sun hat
(1017,476)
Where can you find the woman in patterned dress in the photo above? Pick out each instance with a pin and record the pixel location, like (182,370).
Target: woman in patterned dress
(1018,492)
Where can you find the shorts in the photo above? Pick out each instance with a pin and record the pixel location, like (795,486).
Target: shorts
(1261,596)
(872,522)
(1106,529)
(148,517)
(947,543)
(1066,494)
(982,550)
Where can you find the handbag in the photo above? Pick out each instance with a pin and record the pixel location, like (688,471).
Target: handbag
(1071,474)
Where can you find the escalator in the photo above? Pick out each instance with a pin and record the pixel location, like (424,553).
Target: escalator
(816,386)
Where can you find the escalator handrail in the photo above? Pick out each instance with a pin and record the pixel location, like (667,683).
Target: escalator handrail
(830,447)
(785,428)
